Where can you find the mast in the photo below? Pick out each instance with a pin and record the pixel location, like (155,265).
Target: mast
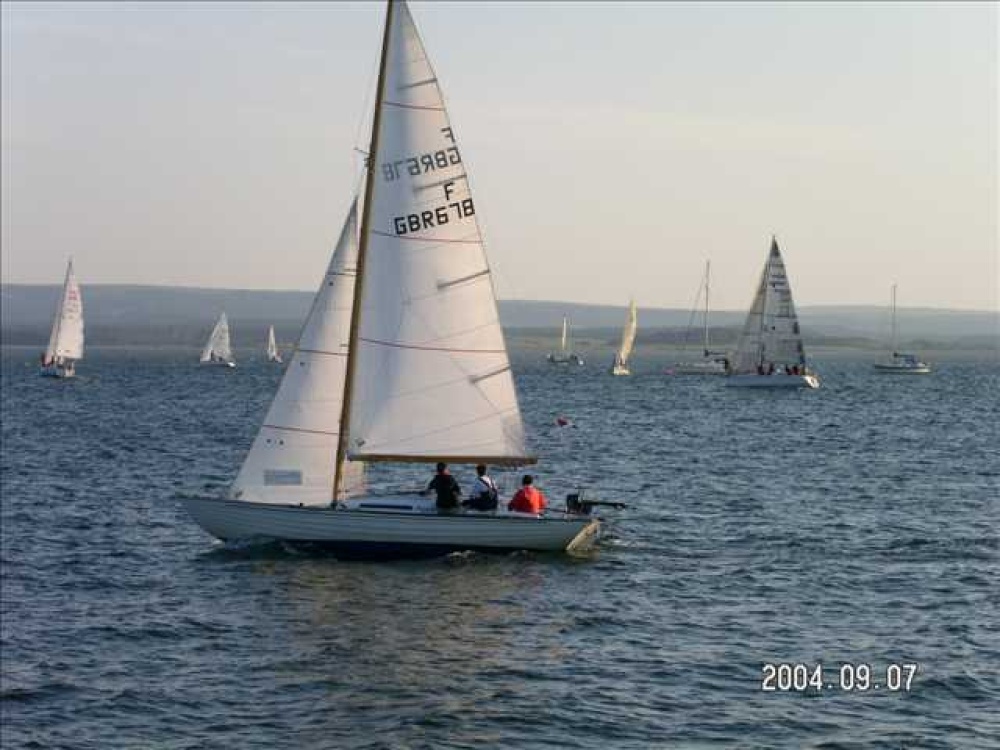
(53,348)
(345,411)
(763,307)
(708,265)
(893,320)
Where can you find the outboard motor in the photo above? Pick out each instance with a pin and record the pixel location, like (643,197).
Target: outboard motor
(576,504)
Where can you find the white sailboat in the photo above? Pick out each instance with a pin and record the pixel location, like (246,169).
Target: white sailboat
(770,353)
(711,362)
(66,339)
(565,355)
(217,350)
(620,364)
(900,363)
(272,347)
(423,375)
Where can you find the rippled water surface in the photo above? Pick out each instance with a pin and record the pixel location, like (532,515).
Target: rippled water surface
(854,524)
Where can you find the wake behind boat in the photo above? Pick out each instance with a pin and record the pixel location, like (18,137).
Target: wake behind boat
(411,295)
(66,338)
(770,353)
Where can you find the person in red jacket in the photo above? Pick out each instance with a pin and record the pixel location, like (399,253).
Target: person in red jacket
(528,499)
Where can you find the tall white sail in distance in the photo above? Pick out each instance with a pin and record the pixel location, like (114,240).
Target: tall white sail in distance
(218,346)
(293,457)
(272,346)
(432,380)
(628,334)
(564,342)
(771,333)
(66,338)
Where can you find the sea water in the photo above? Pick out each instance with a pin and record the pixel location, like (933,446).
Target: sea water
(843,532)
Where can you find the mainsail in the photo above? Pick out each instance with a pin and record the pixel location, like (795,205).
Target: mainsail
(628,336)
(66,338)
(272,346)
(293,455)
(771,333)
(218,348)
(429,378)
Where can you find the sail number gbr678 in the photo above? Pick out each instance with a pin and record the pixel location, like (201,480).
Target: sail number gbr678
(436,217)
(859,678)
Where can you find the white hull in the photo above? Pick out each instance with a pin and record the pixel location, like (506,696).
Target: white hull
(219,363)
(777,380)
(390,532)
(894,369)
(620,370)
(572,359)
(698,368)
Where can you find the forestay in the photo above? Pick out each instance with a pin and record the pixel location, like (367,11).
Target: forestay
(292,459)
(218,343)
(432,378)
(66,338)
(771,333)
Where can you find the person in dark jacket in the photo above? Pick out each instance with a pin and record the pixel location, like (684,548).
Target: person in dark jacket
(484,495)
(446,487)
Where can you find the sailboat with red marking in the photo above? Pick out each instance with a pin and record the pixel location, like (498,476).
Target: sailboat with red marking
(402,359)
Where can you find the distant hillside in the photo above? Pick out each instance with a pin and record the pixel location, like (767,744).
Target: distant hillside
(178,315)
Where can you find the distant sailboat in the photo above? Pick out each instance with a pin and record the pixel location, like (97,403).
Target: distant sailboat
(899,363)
(770,353)
(272,347)
(218,351)
(402,359)
(711,362)
(620,365)
(66,339)
(565,355)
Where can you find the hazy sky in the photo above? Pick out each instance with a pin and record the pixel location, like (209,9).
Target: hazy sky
(612,147)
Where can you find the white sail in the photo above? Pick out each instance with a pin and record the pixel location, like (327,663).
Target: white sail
(628,335)
(432,378)
(426,373)
(66,338)
(218,349)
(564,345)
(272,346)
(293,456)
(771,334)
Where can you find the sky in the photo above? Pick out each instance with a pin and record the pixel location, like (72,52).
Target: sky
(613,148)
